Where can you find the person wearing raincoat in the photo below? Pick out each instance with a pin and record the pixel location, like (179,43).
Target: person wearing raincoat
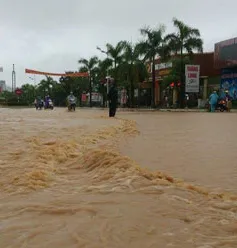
(113,99)
(213,99)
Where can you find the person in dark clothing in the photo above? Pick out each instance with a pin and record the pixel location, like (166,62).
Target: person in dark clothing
(113,99)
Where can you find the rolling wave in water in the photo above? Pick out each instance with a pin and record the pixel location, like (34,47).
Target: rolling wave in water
(79,191)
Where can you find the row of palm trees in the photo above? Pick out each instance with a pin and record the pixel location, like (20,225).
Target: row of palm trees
(126,62)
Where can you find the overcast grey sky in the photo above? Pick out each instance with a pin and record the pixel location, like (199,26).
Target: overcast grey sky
(51,35)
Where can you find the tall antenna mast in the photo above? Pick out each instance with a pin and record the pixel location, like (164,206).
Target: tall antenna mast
(13,79)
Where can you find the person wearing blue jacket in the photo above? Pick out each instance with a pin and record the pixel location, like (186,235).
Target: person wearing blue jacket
(213,99)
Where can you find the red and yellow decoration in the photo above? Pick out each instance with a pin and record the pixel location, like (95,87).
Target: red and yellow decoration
(76,74)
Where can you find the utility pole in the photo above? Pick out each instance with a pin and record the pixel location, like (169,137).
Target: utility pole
(107,77)
(90,91)
(13,79)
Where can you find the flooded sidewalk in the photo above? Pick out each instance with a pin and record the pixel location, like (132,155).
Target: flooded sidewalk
(139,180)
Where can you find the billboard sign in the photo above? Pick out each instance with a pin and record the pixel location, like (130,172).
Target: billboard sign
(163,66)
(96,97)
(229,82)
(192,75)
(225,55)
(164,72)
(159,67)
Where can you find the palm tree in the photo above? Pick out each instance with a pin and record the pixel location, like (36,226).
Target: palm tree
(184,40)
(152,46)
(46,85)
(67,83)
(104,66)
(28,93)
(115,54)
(132,67)
(91,67)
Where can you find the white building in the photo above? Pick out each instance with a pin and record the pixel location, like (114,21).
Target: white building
(3,85)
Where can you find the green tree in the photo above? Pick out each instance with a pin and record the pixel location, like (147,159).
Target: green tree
(132,69)
(104,67)
(91,67)
(115,55)
(174,75)
(184,41)
(29,93)
(75,84)
(67,83)
(82,84)
(151,47)
(45,86)
(6,97)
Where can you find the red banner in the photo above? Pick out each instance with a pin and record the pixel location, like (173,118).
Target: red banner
(76,74)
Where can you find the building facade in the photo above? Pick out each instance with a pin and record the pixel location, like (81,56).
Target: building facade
(2,85)
(225,60)
(209,76)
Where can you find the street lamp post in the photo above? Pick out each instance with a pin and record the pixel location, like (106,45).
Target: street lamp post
(34,79)
(107,77)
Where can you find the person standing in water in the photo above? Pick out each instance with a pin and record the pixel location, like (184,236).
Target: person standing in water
(213,99)
(113,98)
(228,101)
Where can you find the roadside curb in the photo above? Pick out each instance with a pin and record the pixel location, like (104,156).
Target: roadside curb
(169,110)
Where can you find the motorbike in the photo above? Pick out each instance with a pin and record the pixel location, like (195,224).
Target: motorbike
(71,104)
(49,105)
(39,105)
(220,106)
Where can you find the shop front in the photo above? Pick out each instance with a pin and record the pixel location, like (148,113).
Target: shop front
(145,94)
(161,70)
(209,78)
(208,75)
(229,82)
(226,62)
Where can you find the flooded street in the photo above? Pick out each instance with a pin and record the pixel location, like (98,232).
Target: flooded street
(140,180)
(197,147)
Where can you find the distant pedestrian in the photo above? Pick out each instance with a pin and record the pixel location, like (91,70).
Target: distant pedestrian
(166,101)
(186,100)
(228,101)
(113,98)
(213,99)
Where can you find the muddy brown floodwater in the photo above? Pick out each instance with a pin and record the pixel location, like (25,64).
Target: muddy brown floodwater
(140,180)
